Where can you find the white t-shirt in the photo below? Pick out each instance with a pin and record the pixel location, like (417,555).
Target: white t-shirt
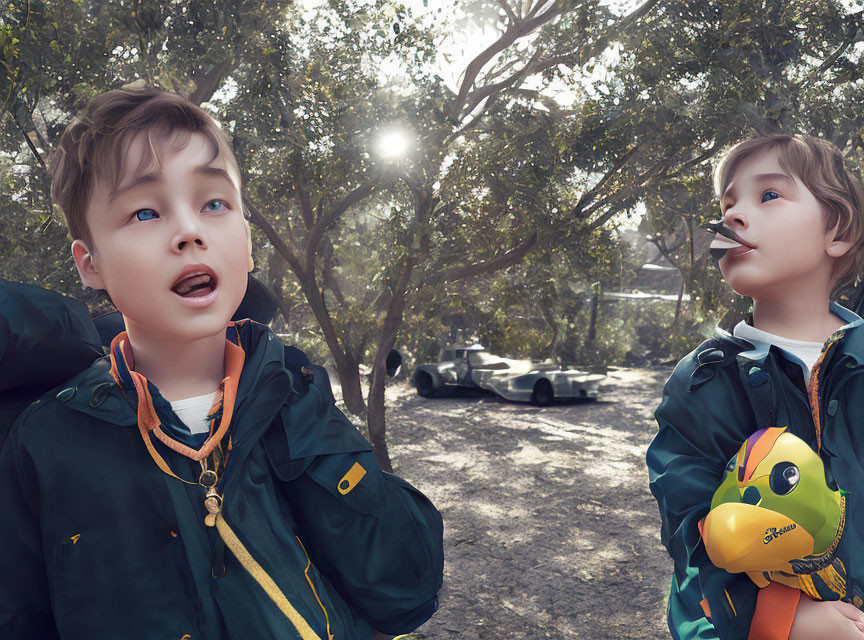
(193,411)
(808,351)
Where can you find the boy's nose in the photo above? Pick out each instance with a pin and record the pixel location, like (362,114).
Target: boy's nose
(189,231)
(200,242)
(734,218)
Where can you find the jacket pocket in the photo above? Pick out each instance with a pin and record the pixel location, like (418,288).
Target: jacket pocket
(423,539)
(353,478)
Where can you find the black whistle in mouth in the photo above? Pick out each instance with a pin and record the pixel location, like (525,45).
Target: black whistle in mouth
(719,227)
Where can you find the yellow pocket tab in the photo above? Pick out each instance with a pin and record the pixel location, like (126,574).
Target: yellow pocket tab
(350,479)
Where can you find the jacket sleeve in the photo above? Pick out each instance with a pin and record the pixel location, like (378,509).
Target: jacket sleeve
(702,422)
(378,539)
(25,604)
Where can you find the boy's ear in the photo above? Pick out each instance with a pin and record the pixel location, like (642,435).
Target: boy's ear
(90,276)
(249,244)
(837,248)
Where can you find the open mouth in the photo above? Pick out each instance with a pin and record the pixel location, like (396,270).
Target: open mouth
(195,286)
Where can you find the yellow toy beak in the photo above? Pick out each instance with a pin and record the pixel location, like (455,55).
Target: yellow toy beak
(743,537)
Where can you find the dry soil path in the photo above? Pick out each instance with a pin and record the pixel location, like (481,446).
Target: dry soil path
(550,530)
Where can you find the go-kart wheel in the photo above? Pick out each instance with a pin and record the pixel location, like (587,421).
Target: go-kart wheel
(543,393)
(425,385)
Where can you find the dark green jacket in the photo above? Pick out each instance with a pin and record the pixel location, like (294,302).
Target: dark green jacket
(716,397)
(98,542)
(39,326)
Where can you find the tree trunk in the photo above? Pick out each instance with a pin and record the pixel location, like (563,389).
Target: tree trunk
(346,367)
(276,278)
(553,346)
(592,326)
(677,310)
(349,379)
(375,419)
(549,319)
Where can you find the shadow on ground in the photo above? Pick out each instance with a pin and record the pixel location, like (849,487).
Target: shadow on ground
(550,530)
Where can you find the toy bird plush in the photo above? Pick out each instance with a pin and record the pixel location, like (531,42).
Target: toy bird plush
(778,515)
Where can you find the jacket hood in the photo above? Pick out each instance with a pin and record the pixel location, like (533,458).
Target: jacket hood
(39,327)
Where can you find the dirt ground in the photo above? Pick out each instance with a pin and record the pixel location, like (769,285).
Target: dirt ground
(550,530)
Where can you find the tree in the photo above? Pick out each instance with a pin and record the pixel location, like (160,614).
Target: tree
(461,206)
(505,177)
(698,77)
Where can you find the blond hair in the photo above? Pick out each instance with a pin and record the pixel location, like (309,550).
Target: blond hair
(820,166)
(94,145)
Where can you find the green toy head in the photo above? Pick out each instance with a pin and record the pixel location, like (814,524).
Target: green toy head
(776,504)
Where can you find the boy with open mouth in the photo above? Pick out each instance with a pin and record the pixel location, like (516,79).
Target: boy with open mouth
(198,481)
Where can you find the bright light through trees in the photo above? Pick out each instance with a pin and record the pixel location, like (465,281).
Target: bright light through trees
(393,144)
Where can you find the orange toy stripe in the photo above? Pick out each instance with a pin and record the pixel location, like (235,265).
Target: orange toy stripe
(761,449)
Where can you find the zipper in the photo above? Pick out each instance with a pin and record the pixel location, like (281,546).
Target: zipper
(309,580)
(813,387)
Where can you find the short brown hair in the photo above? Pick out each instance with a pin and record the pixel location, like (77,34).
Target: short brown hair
(819,165)
(94,144)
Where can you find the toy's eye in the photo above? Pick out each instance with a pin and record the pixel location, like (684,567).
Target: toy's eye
(784,478)
(730,466)
(770,195)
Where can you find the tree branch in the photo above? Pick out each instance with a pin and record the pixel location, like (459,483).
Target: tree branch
(586,53)
(665,252)
(496,87)
(508,10)
(327,273)
(207,83)
(515,31)
(616,199)
(533,11)
(615,204)
(336,211)
(314,297)
(285,250)
(831,59)
(477,119)
(592,193)
(713,150)
(303,202)
(501,261)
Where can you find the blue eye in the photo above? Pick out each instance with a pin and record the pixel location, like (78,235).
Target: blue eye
(770,195)
(222,204)
(141,210)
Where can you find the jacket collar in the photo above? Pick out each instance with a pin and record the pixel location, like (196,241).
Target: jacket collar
(755,351)
(261,381)
(153,411)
